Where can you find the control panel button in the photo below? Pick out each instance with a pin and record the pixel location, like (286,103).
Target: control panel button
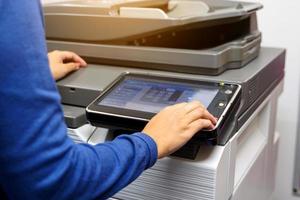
(228,91)
(221,104)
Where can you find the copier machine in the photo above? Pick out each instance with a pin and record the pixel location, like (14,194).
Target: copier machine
(208,41)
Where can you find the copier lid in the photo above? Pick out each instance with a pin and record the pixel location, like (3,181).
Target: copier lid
(101,22)
(205,37)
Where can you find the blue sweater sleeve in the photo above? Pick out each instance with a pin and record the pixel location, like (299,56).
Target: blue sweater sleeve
(37,159)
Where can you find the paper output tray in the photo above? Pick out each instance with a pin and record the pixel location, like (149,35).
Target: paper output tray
(211,61)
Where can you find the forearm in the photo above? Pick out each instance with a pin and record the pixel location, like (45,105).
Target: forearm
(101,171)
(57,168)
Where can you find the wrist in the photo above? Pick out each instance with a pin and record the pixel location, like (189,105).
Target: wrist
(152,146)
(159,144)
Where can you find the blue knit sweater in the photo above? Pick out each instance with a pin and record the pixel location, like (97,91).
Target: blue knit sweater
(37,159)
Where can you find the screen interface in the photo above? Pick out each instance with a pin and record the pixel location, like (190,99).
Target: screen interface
(153,95)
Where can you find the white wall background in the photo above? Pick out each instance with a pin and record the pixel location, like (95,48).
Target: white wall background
(280,23)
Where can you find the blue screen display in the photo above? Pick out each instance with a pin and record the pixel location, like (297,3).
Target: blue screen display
(153,95)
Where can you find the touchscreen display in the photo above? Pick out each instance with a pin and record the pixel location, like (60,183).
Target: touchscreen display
(153,95)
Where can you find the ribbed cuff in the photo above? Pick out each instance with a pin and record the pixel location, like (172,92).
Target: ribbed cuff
(152,147)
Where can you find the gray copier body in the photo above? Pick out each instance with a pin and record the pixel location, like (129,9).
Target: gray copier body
(258,79)
(227,171)
(246,153)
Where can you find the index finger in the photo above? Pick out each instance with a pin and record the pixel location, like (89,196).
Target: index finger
(200,113)
(190,106)
(73,56)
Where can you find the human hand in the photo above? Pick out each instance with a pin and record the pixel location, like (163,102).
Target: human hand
(63,62)
(175,125)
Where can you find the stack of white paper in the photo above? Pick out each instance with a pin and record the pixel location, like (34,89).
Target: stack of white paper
(177,179)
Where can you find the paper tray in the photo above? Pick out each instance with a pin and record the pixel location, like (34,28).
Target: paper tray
(213,61)
(94,22)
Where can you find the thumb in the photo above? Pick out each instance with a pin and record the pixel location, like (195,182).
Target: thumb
(69,67)
(61,70)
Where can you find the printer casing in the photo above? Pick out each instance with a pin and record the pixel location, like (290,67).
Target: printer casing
(241,165)
(257,79)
